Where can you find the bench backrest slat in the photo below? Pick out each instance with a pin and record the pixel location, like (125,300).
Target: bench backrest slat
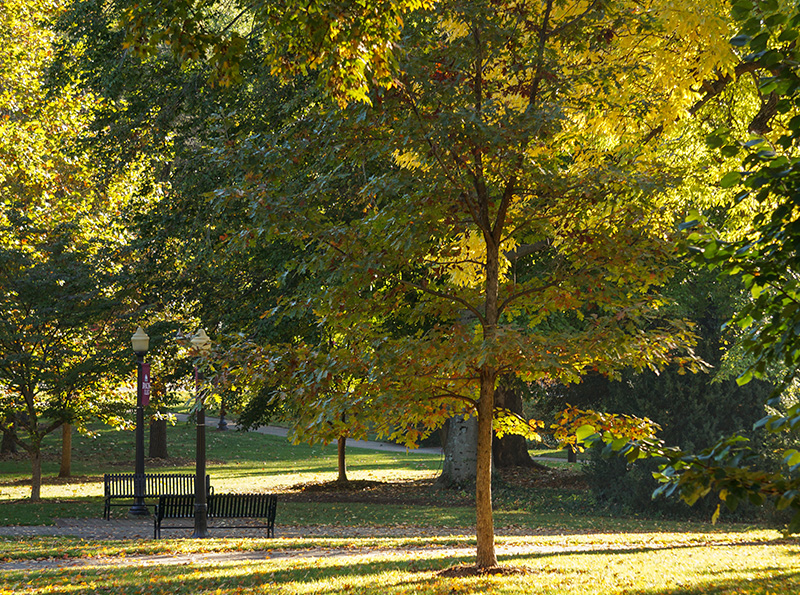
(220,506)
(122,485)
(175,507)
(242,505)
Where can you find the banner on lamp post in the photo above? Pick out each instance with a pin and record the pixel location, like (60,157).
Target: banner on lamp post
(145,384)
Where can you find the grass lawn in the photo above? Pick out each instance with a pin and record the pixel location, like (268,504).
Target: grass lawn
(644,563)
(551,532)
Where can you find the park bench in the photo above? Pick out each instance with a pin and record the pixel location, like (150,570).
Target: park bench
(220,506)
(119,486)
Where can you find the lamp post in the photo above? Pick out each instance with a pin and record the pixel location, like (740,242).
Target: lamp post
(203,344)
(141,343)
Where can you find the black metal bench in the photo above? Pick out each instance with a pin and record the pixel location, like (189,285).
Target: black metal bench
(220,506)
(122,486)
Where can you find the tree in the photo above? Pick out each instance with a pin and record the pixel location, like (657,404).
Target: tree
(56,342)
(693,410)
(763,254)
(65,470)
(545,130)
(500,227)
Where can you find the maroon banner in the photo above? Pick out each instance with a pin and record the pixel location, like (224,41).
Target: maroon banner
(145,384)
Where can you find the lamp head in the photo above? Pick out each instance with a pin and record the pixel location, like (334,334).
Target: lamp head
(200,341)
(140,341)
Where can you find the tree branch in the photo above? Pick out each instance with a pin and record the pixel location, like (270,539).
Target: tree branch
(447,296)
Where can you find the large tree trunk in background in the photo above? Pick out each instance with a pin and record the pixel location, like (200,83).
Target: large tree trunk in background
(511,450)
(9,443)
(341,443)
(460,453)
(158,439)
(66,451)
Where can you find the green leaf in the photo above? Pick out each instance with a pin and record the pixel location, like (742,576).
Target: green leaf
(791,457)
(584,431)
(730,179)
(744,378)
(740,40)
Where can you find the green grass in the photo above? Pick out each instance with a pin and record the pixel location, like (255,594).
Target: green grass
(567,546)
(237,462)
(244,462)
(645,563)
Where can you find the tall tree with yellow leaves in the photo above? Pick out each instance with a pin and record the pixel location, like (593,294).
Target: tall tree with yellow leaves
(511,197)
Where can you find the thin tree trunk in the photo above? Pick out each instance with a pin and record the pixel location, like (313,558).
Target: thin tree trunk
(36,473)
(572,455)
(66,451)
(340,444)
(486,557)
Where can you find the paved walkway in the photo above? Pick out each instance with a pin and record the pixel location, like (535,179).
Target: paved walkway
(207,559)
(142,528)
(212,422)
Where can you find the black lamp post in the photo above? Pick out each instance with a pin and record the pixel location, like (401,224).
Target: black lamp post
(203,344)
(141,343)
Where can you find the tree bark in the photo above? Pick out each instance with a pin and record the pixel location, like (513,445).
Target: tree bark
(486,557)
(158,439)
(341,443)
(9,443)
(572,456)
(460,453)
(66,451)
(36,473)
(510,450)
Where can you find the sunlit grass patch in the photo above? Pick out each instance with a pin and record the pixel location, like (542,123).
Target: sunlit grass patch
(237,462)
(754,562)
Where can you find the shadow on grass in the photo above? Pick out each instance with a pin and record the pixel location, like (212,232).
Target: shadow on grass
(383,577)
(621,552)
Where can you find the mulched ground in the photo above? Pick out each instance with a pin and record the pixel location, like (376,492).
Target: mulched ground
(425,493)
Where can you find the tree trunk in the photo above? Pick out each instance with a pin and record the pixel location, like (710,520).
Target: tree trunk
(460,453)
(158,439)
(511,450)
(66,451)
(9,443)
(340,445)
(486,557)
(572,455)
(36,473)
